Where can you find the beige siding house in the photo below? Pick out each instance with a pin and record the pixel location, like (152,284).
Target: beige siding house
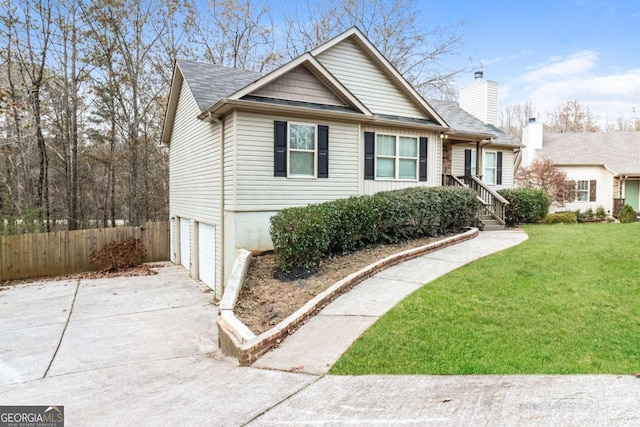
(605,165)
(335,122)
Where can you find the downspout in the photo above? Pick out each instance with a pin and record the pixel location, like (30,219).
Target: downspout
(220,122)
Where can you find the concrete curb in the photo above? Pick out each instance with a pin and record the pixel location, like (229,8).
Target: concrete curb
(234,339)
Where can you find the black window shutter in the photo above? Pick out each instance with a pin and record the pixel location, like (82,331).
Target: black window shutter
(592,190)
(467,162)
(499,169)
(369,155)
(323,151)
(423,158)
(279,148)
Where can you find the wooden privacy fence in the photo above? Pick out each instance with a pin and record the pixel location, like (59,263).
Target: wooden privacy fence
(25,256)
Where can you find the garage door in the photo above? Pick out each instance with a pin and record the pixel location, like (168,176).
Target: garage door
(207,254)
(185,243)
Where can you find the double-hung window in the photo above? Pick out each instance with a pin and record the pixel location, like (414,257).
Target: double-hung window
(582,191)
(396,157)
(302,143)
(490,167)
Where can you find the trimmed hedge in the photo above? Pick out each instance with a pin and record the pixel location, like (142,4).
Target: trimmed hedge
(303,236)
(560,218)
(627,214)
(526,205)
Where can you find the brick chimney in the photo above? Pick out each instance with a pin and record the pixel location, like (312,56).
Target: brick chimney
(481,99)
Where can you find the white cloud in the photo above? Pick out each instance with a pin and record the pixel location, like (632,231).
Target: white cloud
(608,96)
(558,67)
(578,76)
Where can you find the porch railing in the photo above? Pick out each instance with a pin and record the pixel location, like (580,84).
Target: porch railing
(491,203)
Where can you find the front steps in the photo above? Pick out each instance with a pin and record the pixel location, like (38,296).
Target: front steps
(491,224)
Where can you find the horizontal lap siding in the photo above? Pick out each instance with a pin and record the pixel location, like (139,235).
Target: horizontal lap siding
(194,181)
(604,187)
(300,85)
(194,178)
(366,81)
(457,163)
(434,161)
(258,189)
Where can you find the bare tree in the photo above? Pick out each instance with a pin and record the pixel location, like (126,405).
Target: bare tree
(395,27)
(514,117)
(126,34)
(572,116)
(543,174)
(235,33)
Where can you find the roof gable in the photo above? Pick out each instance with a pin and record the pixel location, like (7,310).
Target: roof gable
(353,59)
(617,151)
(300,84)
(312,65)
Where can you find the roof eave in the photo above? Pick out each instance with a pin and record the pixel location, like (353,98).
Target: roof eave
(225,106)
(172,105)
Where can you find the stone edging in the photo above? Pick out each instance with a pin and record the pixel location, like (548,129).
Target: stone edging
(237,340)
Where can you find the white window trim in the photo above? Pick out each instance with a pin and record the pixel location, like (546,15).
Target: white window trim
(315,151)
(495,168)
(474,162)
(587,192)
(397,158)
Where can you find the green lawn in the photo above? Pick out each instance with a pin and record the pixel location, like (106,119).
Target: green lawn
(565,301)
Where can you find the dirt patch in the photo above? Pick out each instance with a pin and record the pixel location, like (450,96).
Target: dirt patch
(139,270)
(264,300)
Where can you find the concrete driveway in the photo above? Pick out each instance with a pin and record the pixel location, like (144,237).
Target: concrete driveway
(143,351)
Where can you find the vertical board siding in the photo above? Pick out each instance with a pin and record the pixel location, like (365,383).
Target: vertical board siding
(299,85)
(258,190)
(26,256)
(364,78)
(194,168)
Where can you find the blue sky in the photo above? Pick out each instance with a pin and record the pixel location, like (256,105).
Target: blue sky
(549,51)
(546,51)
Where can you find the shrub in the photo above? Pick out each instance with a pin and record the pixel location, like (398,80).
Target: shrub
(601,214)
(119,255)
(560,218)
(627,214)
(303,236)
(526,205)
(580,216)
(589,214)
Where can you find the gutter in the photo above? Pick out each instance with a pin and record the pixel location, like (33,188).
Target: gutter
(225,105)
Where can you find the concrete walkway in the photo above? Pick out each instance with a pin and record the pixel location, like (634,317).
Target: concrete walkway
(142,351)
(317,345)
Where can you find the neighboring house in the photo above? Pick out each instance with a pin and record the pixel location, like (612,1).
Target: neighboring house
(605,165)
(335,122)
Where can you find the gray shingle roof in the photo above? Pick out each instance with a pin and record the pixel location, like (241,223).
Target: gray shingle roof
(462,121)
(618,151)
(210,83)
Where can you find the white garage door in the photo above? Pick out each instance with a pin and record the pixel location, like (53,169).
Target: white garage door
(207,254)
(185,243)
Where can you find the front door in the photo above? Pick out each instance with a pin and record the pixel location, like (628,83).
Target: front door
(631,192)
